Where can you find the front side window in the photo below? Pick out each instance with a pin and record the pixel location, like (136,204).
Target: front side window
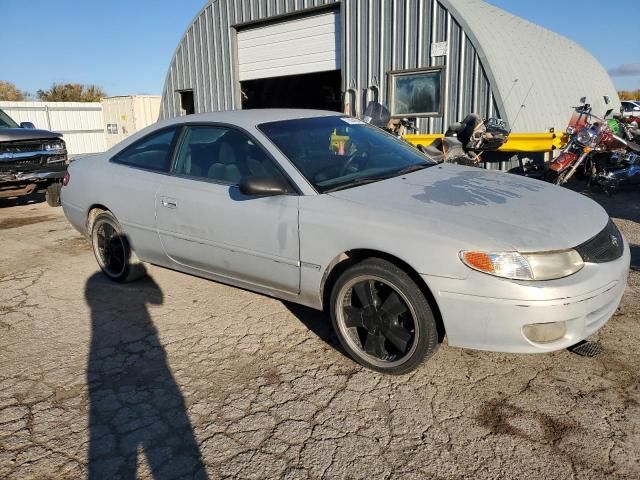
(221,154)
(153,152)
(6,121)
(335,152)
(416,93)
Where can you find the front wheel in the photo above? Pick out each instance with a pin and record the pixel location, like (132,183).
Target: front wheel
(52,194)
(382,318)
(560,179)
(113,251)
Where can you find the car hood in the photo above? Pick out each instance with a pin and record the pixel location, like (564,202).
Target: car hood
(13,134)
(489,208)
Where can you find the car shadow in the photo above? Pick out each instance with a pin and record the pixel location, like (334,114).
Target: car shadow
(18,199)
(317,322)
(134,401)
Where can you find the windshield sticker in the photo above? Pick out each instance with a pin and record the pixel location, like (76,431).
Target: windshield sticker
(352,121)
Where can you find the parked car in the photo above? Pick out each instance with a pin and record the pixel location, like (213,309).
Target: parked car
(323,210)
(30,159)
(630,108)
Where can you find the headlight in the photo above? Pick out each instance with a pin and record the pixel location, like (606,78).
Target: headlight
(54,146)
(585,137)
(525,266)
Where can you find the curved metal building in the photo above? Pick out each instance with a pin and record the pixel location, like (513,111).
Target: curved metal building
(435,60)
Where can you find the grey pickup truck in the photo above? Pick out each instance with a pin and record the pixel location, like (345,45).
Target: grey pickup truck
(30,159)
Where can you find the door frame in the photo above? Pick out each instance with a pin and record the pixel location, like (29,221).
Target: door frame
(182,131)
(305,12)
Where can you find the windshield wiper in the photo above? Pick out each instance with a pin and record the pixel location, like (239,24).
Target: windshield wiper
(355,183)
(413,168)
(366,180)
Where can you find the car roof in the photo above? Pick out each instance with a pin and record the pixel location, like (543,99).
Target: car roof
(249,118)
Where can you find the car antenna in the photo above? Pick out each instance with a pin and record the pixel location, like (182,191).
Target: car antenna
(523,105)
(513,85)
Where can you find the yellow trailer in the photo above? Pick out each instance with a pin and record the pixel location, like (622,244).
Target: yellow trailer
(517,142)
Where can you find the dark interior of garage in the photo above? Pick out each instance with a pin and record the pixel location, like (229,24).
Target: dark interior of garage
(319,90)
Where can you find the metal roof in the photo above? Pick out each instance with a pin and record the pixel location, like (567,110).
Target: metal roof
(495,60)
(528,64)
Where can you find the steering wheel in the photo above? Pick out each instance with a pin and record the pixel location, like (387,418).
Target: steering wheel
(350,160)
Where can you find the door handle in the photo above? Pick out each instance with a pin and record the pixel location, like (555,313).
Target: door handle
(169,203)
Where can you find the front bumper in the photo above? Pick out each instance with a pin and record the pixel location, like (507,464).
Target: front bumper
(30,177)
(488,313)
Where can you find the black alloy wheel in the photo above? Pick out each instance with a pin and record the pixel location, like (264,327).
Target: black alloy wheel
(382,318)
(112,250)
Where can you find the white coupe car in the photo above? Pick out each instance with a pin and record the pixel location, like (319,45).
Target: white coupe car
(323,210)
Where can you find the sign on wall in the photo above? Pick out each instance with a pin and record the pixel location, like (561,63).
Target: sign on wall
(439,49)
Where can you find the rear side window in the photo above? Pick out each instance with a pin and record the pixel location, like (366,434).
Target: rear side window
(153,152)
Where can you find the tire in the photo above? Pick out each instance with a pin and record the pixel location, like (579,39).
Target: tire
(560,178)
(112,250)
(52,195)
(382,318)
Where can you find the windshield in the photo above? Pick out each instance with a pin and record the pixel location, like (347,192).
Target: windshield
(341,152)
(6,121)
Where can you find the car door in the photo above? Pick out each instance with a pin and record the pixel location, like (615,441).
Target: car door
(134,176)
(206,224)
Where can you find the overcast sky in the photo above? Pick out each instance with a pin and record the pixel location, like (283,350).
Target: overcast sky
(126,46)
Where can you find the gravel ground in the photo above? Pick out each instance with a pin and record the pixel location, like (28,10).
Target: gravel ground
(177,376)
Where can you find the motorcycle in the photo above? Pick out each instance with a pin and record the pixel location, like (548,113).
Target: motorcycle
(631,124)
(619,164)
(600,145)
(586,132)
(463,142)
(612,170)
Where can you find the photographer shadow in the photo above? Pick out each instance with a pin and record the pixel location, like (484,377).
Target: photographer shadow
(135,404)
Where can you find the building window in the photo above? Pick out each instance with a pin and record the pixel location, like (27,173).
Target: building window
(416,93)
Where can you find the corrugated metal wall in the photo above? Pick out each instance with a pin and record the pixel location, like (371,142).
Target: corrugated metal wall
(79,122)
(378,36)
(205,59)
(384,35)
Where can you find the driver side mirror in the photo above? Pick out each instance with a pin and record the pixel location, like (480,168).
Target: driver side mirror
(606,100)
(583,99)
(262,186)
(29,125)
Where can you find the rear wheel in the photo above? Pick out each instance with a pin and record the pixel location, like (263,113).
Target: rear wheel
(113,251)
(382,318)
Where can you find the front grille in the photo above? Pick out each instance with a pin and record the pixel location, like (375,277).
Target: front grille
(25,156)
(604,247)
(22,146)
(25,165)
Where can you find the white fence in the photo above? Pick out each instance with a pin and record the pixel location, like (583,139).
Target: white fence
(81,123)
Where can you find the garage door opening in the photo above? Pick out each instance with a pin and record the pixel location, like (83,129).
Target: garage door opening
(319,90)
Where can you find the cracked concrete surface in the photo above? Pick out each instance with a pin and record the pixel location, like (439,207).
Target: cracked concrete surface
(179,377)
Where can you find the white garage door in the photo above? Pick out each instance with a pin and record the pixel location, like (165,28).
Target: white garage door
(303,45)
